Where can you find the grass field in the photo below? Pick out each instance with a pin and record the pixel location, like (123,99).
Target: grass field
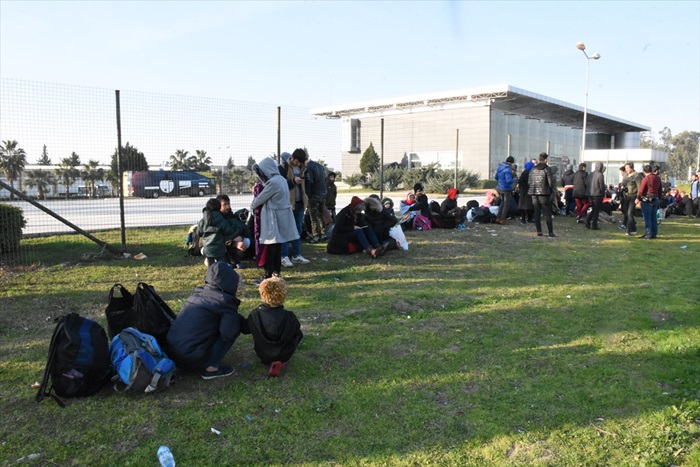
(484,347)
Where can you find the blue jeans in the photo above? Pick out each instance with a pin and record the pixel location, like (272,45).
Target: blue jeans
(651,221)
(366,237)
(296,244)
(218,351)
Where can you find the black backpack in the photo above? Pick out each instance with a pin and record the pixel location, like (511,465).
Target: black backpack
(145,310)
(78,363)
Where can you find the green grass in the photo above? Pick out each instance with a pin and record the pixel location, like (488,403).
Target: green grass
(485,347)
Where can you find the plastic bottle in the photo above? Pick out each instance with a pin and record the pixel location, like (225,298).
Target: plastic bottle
(165,457)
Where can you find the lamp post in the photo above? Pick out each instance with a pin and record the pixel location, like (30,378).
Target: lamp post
(595,56)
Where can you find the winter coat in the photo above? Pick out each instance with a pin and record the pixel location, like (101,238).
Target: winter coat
(277,224)
(540,180)
(287,171)
(597,182)
(525,199)
(504,177)
(340,241)
(567,178)
(580,184)
(276,332)
(331,193)
(211,313)
(315,180)
(632,182)
(380,219)
(214,231)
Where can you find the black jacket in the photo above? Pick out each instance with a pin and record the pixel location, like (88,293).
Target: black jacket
(315,180)
(540,180)
(580,184)
(276,332)
(567,178)
(211,313)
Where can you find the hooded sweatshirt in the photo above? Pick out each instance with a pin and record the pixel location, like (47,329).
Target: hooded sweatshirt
(211,313)
(276,332)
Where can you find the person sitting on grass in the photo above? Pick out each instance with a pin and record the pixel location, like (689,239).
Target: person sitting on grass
(380,219)
(276,332)
(451,215)
(352,233)
(208,324)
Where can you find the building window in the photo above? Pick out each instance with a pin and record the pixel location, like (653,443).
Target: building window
(355,135)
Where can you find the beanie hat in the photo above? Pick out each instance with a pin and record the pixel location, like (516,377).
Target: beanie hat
(529,165)
(354,202)
(452,193)
(273,291)
(510,159)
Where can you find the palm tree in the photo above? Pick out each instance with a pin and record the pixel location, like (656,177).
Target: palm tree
(42,180)
(179,160)
(201,162)
(67,173)
(91,175)
(12,162)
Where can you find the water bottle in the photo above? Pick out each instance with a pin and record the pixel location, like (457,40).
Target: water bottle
(165,457)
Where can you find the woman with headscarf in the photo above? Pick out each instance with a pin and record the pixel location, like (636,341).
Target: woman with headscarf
(525,201)
(451,215)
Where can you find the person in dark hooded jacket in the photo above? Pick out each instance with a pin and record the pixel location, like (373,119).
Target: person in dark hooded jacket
(276,331)
(540,184)
(597,190)
(208,324)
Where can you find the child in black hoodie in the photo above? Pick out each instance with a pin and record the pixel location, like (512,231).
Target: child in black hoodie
(276,331)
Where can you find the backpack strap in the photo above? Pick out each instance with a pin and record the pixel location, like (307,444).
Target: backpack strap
(53,348)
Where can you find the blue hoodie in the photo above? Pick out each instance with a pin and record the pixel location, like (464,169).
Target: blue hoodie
(504,177)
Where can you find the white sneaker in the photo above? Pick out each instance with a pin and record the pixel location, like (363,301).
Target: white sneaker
(286,263)
(300,260)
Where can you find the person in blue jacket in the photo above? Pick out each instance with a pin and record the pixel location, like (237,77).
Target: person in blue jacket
(208,324)
(506,183)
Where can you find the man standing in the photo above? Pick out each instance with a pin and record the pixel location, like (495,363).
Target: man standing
(695,193)
(630,185)
(315,185)
(567,181)
(649,192)
(294,173)
(579,192)
(597,190)
(541,184)
(331,194)
(506,182)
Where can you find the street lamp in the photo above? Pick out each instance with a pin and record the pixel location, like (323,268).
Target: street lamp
(595,56)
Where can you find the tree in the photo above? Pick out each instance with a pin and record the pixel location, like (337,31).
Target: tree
(67,172)
(179,160)
(354,180)
(200,162)
(250,163)
(369,162)
(42,180)
(133,160)
(12,162)
(44,159)
(91,175)
(684,153)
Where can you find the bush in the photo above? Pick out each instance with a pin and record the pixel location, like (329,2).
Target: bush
(11,223)
(488,184)
(353,180)
(444,179)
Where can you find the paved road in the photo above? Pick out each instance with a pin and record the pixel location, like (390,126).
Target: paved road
(103,213)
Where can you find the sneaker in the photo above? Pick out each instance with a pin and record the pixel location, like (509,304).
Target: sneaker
(523,221)
(220,372)
(552,235)
(622,227)
(286,262)
(299,260)
(240,266)
(275,369)
(258,281)
(460,227)
(632,234)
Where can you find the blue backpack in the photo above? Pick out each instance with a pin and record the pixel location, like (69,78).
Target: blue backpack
(139,362)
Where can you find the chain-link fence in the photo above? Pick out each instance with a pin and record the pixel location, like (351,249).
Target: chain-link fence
(59,157)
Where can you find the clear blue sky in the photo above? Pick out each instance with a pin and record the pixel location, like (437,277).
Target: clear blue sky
(314,54)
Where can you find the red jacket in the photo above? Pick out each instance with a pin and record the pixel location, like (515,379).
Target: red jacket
(651,185)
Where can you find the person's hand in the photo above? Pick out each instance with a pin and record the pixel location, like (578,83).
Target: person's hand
(238,239)
(298,180)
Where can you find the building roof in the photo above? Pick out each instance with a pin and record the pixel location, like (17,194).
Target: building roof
(504,97)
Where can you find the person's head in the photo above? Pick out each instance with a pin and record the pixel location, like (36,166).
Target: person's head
(582,166)
(543,157)
(529,165)
(410,197)
(331,176)
(222,276)
(357,205)
(213,204)
(569,167)
(510,159)
(622,169)
(225,203)
(646,168)
(273,291)
(600,167)
(452,193)
(694,177)
(387,203)
(418,188)
(656,169)
(629,167)
(299,157)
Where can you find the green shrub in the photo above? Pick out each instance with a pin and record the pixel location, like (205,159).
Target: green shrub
(11,223)
(488,184)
